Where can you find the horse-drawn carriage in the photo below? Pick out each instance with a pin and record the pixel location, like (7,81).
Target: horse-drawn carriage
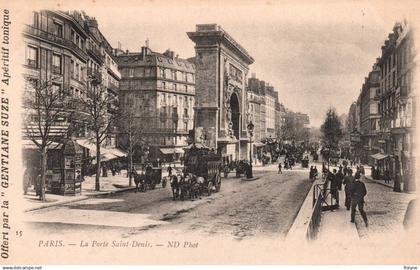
(149,179)
(241,168)
(305,162)
(201,174)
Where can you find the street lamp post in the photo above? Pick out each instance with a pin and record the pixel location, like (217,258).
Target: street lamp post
(251,131)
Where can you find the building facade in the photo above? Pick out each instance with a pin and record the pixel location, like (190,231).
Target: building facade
(159,90)
(369,116)
(271,97)
(59,53)
(387,107)
(404,123)
(221,75)
(255,102)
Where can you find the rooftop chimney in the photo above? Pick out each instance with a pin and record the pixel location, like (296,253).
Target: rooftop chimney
(169,53)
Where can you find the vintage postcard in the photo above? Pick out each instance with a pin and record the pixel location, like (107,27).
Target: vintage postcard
(209,132)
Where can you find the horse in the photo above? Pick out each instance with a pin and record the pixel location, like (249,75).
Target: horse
(203,187)
(139,181)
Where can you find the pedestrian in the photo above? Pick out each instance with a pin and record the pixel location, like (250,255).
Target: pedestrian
(372,172)
(340,177)
(387,176)
(169,170)
(311,173)
(280,172)
(315,172)
(26,180)
(358,192)
(397,182)
(348,182)
(334,186)
(38,185)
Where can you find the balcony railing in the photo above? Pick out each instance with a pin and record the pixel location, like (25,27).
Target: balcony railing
(96,53)
(56,39)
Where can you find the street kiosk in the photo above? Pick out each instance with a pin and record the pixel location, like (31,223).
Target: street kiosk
(72,174)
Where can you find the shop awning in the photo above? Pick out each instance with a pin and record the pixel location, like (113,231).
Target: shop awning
(106,153)
(29,144)
(167,151)
(116,152)
(379,156)
(258,144)
(198,145)
(87,144)
(171,151)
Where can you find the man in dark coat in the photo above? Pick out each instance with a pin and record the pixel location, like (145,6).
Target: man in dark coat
(340,177)
(348,182)
(334,185)
(169,170)
(358,192)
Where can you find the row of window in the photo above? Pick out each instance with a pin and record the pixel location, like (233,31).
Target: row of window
(174,100)
(176,75)
(32,59)
(174,87)
(57,28)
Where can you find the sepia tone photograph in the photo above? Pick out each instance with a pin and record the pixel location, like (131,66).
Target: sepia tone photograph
(209,132)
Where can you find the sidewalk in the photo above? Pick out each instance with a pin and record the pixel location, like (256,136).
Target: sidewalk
(337,223)
(385,210)
(108,185)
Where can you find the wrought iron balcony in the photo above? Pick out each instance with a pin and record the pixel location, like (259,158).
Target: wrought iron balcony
(30,30)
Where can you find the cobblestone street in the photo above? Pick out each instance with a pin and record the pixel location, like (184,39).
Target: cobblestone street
(241,210)
(385,210)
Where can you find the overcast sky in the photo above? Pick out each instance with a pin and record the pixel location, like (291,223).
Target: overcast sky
(316,56)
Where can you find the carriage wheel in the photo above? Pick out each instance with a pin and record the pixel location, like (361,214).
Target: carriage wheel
(218,183)
(209,187)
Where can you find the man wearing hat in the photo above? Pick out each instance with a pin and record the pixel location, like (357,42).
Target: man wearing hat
(358,192)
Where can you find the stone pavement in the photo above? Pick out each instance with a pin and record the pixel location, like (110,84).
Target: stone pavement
(108,185)
(385,210)
(336,226)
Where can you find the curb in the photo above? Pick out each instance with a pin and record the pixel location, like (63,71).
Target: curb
(300,218)
(250,179)
(82,198)
(380,182)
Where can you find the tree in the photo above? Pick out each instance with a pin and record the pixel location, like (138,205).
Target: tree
(132,136)
(98,103)
(331,131)
(45,111)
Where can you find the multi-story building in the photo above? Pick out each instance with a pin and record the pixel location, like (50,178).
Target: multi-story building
(271,98)
(385,109)
(103,61)
(388,85)
(263,118)
(369,116)
(159,89)
(352,118)
(255,100)
(59,53)
(278,120)
(403,125)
